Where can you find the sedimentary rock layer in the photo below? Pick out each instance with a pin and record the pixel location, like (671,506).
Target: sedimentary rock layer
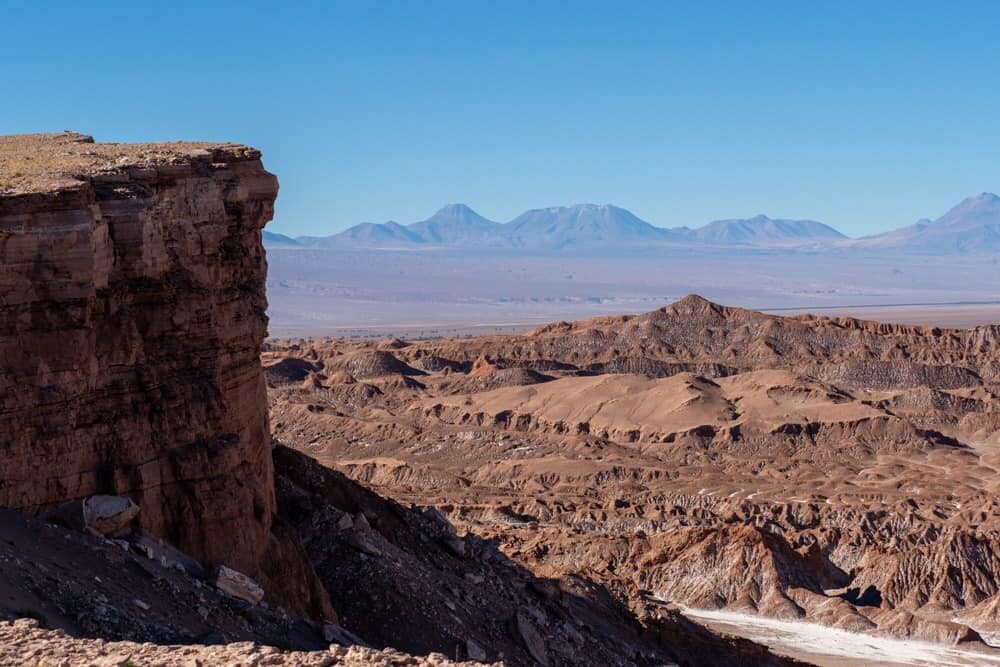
(132,310)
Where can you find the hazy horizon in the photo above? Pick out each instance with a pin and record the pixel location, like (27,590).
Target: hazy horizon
(276,226)
(866,118)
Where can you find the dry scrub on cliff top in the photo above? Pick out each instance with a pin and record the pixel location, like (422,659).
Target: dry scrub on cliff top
(40,162)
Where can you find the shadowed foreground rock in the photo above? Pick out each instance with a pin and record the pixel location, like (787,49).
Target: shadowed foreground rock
(380,561)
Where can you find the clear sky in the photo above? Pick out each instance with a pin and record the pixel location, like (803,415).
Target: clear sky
(863,115)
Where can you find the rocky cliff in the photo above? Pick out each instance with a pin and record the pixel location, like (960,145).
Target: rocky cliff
(132,311)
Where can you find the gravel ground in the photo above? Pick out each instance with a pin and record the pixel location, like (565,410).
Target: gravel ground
(24,643)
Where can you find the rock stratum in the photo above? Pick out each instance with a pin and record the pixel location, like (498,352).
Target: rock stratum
(132,313)
(829,470)
(133,308)
(150,516)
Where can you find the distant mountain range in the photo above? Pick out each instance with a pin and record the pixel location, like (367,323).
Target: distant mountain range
(762,230)
(973,226)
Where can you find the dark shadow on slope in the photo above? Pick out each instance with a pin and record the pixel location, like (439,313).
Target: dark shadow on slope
(92,587)
(401,577)
(870,597)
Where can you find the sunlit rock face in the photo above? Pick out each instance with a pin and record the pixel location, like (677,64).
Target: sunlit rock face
(132,310)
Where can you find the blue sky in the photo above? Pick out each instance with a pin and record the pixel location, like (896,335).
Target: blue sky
(865,117)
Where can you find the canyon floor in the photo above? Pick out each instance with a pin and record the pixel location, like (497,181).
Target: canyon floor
(811,472)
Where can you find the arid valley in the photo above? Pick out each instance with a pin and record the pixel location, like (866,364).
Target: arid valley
(457,273)
(834,472)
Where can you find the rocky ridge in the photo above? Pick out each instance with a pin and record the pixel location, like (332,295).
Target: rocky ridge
(831,470)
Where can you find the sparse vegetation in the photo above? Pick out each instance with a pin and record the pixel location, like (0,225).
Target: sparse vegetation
(34,162)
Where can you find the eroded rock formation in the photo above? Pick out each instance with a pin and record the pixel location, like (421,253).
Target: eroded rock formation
(833,471)
(132,310)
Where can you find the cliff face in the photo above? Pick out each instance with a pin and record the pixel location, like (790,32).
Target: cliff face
(132,311)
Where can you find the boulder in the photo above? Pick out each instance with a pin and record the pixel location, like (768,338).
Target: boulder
(338,635)
(475,651)
(456,545)
(105,515)
(533,640)
(109,515)
(238,585)
(155,548)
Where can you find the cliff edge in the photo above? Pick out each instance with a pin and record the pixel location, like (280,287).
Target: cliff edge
(132,311)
